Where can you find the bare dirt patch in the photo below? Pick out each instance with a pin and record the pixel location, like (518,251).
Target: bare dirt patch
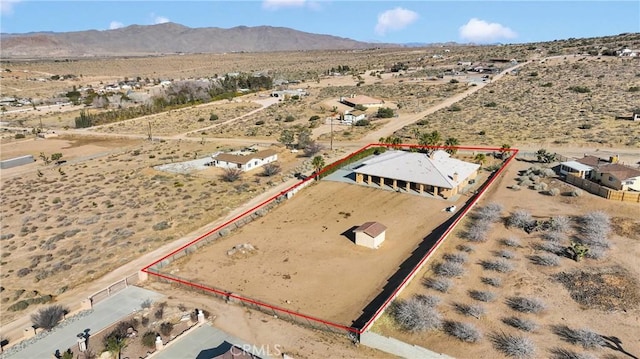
(304,262)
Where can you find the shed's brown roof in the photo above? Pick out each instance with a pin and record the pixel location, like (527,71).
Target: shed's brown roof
(244,159)
(372,229)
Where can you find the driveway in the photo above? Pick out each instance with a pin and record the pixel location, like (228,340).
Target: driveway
(103,315)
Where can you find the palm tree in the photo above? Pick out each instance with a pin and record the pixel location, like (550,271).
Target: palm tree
(451,142)
(317,163)
(115,345)
(504,149)
(480,158)
(430,139)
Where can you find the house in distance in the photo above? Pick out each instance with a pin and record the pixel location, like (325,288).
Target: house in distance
(244,161)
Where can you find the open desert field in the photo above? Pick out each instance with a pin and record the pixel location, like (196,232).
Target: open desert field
(600,295)
(303,259)
(66,225)
(572,101)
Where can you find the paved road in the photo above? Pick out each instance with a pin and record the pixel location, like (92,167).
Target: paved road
(104,314)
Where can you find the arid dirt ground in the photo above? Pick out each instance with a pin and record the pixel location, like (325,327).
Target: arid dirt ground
(619,269)
(305,263)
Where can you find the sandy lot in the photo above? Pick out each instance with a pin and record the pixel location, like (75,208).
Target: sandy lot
(530,280)
(63,226)
(302,259)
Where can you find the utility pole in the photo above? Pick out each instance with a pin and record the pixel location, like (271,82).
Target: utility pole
(149,137)
(331,133)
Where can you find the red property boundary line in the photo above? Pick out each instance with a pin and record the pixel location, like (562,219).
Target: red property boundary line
(147,269)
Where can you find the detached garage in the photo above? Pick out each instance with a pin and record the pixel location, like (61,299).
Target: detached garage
(370,234)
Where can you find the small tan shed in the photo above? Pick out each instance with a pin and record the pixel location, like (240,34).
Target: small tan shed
(370,234)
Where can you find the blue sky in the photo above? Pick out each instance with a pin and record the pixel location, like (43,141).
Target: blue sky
(382,21)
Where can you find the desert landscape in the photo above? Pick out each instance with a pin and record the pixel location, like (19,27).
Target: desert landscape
(94,206)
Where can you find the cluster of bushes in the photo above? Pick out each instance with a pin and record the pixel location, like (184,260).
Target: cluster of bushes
(594,229)
(533,176)
(481,221)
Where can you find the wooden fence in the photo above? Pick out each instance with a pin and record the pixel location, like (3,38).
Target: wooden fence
(602,191)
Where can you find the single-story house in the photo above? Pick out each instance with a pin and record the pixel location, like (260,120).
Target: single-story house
(370,234)
(576,168)
(437,173)
(618,177)
(363,100)
(351,117)
(245,162)
(17,161)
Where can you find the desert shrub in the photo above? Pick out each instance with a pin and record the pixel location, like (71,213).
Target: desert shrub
(414,315)
(514,346)
(554,192)
(313,148)
(520,323)
(499,265)
(439,284)
(511,242)
(504,253)
(477,231)
(231,174)
(579,89)
(594,228)
(464,248)
(561,353)
(49,317)
(166,328)
(520,218)
(492,281)
(362,123)
(18,306)
(482,296)
(464,331)
(161,226)
(19,136)
(448,269)
(23,272)
(551,247)
(289,118)
(490,212)
(514,187)
(149,339)
(271,169)
(159,313)
(259,122)
(560,224)
(471,310)
(213,117)
(428,300)
(455,257)
(146,304)
(554,236)
(596,252)
(540,186)
(587,338)
(545,260)
(575,193)
(526,305)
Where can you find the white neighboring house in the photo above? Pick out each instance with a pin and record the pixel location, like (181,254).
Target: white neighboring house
(576,168)
(246,162)
(351,117)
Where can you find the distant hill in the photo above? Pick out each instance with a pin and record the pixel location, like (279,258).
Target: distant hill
(170,38)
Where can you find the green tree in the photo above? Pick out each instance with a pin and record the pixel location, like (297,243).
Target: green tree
(304,137)
(480,158)
(451,142)
(213,117)
(385,112)
(56,156)
(317,163)
(286,137)
(45,158)
(115,344)
(430,139)
(545,157)
(505,149)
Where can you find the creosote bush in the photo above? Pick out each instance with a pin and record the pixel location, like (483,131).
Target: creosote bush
(455,257)
(464,248)
(499,265)
(520,323)
(514,346)
(463,331)
(231,174)
(511,242)
(49,317)
(561,353)
(489,213)
(471,310)
(448,269)
(149,339)
(520,218)
(504,253)
(415,315)
(545,260)
(584,337)
(440,284)
(526,305)
(482,296)
(494,282)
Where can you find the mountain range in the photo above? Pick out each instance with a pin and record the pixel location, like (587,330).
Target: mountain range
(170,38)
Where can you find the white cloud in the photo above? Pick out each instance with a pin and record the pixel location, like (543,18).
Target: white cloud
(6,6)
(480,31)
(395,19)
(277,4)
(160,20)
(115,25)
